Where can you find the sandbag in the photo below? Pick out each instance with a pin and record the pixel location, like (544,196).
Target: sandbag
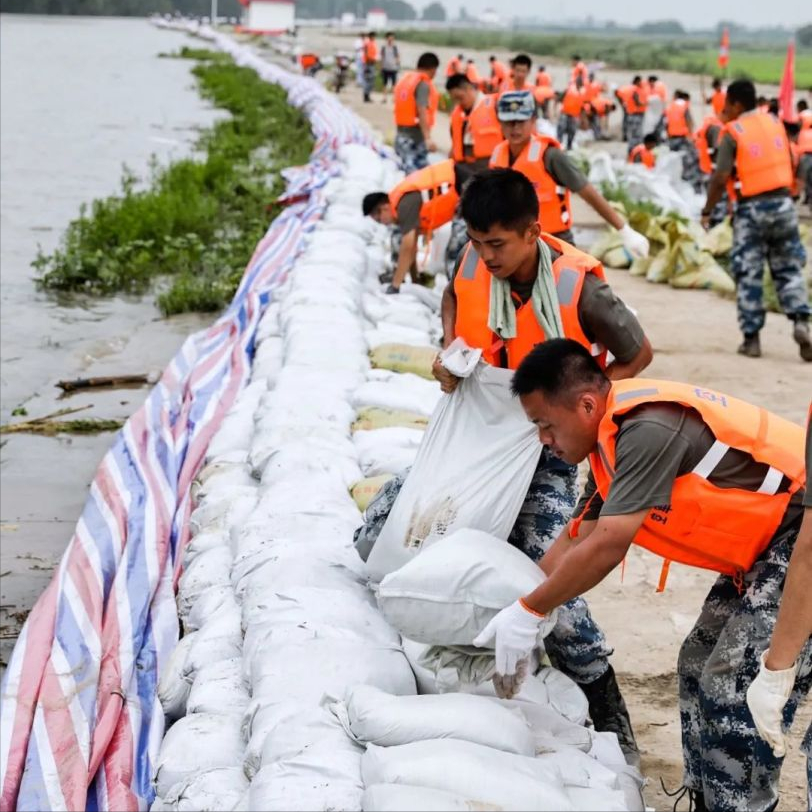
(372,716)
(195,745)
(219,688)
(365,490)
(386,451)
(503,779)
(219,789)
(400,391)
(173,687)
(220,638)
(208,569)
(404,358)
(478,435)
(449,593)
(373,417)
(403,798)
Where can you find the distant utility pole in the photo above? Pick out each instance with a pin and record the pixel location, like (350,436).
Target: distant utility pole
(213,11)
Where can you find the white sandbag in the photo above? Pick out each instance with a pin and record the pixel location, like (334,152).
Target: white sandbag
(219,638)
(269,323)
(430,297)
(478,435)
(504,779)
(297,441)
(295,528)
(312,455)
(207,605)
(551,730)
(197,744)
(268,360)
(399,391)
(219,789)
(226,509)
(238,425)
(219,687)
(387,450)
(450,592)
(433,261)
(319,494)
(205,540)
(587,799)
(396,334)
(373,716)
(173,687)
(403,798)
(225,474)
(208,569)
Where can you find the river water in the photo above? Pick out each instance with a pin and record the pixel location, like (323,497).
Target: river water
(79,98)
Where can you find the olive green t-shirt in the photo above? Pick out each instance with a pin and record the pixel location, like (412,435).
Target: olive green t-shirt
(655,444)
(408,212)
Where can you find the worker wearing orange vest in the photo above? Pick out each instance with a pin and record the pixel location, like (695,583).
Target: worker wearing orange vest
(656,87)
(579,76)
(569,113)
(679,128)
(804,114)
(804,172)
(706,141)
(419,204)
(514,286)
(475,129)
(754,151)
(552,173)
(370,58)
(499,74)
(455,65)
(473,74)
(623,95)
(543,78)
(635,104)
(644,153)
(598,111)
(717,99)
(772,688)
(416,102)
(697,477)
(521,65)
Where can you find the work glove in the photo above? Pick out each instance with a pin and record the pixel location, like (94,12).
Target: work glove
(514,633)
(392,289)
(634,242)
(766,697)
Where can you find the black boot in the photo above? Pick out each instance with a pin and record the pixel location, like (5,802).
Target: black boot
(751,346)
(802,337)
(607,710)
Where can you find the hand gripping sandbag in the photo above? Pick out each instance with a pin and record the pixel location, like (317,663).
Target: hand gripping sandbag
(472,470)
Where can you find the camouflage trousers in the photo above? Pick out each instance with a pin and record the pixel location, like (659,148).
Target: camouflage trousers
(805,175)
(413,154)
(690,159)
(724,756)
(368,79)
(767,229)
(567,127)
(576,646)
(459,237)
(634,130)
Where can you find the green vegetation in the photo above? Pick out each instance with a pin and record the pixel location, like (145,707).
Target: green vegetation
(618,194)
(197,222)
(635,53)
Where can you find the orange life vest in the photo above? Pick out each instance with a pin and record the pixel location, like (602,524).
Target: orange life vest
(436,186)
(579,73)
(600,105)
(676,119)
(499,74)
(472,287)
(473,74)
(623,94)
(718,101)
(543,79)
(805,141)
(646,156)
(483,125)
(370,51)
(634,108)
(706,165)
(592,90)
(763,161)
(543,93)
(720,529)
(406,104)
(555,211)
(454,66)
(573,102)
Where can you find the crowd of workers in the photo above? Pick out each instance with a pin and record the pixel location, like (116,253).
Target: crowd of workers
(689,473)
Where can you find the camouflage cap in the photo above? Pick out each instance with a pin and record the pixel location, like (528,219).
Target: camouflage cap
(516,105)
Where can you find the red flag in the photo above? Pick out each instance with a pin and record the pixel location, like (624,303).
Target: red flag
(724,49)
(786,108)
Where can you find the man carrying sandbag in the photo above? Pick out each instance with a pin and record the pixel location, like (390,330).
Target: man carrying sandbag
(697,477)
(513,287)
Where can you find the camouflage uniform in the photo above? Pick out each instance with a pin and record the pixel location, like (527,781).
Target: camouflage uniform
(634,129)
(576,645)
(806,748)
(767,227)
(567,126)
(719,211)
(413,154)
(725,758)
(459,237)
(690,160)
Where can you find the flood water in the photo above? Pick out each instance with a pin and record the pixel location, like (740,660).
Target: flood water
(79,98)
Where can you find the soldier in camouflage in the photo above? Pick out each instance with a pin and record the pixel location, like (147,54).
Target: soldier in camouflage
(765,224)
(412,152)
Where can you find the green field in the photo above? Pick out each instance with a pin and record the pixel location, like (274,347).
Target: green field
(635,53)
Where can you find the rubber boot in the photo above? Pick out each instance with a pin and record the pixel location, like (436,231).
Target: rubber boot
(751,346)
(803,338)
(607,710)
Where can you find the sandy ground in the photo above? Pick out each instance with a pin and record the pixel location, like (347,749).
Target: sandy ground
(694,336)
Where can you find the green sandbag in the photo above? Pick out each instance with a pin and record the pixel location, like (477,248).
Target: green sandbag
(404,358)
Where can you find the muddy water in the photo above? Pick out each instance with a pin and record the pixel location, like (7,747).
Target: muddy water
(80,98)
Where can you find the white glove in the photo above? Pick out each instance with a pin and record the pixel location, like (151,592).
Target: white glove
(634,242)
(766,697)
(514,633)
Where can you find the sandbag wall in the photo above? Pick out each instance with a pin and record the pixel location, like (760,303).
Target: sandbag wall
(289,690)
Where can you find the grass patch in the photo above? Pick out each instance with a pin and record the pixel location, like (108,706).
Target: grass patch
(197,222)
(635,53)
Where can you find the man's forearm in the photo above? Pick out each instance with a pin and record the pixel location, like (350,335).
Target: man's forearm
(794,624)
(406,257)
(448,314)
(597,201)
(563,545)
(716,189)
(423,120)
(617,371)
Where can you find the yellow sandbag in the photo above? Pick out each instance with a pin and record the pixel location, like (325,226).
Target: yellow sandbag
(703,272)
(640,266)
(364,491)
(372,417)
(719,240)
(659,270)
(404,358)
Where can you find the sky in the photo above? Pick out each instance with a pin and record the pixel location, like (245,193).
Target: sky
(691,13)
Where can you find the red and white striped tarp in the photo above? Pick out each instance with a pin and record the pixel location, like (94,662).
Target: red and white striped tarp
(80,723)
